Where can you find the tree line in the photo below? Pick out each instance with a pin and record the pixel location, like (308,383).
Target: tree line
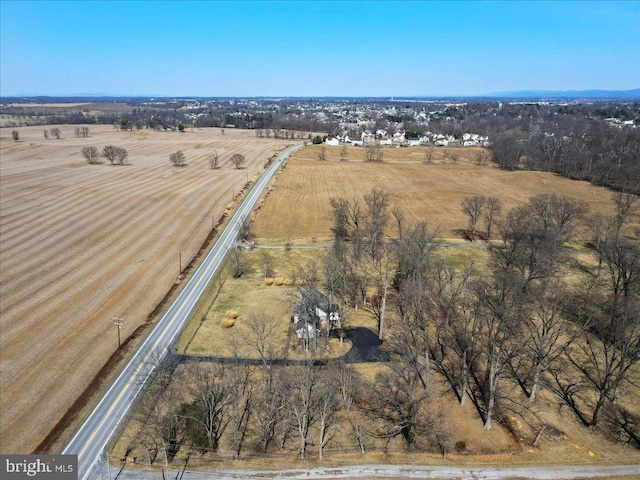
(516,324)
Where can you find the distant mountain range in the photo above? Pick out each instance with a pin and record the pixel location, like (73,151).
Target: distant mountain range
(633,94)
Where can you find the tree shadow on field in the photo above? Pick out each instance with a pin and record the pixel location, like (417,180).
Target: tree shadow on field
(464,234)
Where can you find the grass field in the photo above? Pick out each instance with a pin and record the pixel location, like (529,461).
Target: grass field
(81,244)
(300,210)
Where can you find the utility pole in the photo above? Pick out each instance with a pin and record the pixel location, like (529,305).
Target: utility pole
(118,322)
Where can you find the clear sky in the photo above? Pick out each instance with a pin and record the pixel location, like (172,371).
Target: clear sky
(407,48)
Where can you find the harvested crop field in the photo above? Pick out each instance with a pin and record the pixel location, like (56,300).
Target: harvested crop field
(299,209)
(81,244)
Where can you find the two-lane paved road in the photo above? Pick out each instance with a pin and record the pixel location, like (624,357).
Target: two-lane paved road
(94,434)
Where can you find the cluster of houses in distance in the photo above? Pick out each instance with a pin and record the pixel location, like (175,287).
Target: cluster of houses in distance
(400,139)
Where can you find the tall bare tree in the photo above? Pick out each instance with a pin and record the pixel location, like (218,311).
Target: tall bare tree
(241,407)
(303,402)
(214,160)
(327,407)
(493,209)
(473,207)
(601,362)
(208,413)
(501,316)
(344,153)
(322,153)
(394,404)
(263,335)
(626,207)
(544,336)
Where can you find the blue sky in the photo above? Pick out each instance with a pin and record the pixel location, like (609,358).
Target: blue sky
(316,48)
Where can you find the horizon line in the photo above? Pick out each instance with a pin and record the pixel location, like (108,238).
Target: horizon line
(522,93)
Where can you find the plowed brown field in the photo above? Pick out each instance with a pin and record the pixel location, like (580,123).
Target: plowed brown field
(81,244)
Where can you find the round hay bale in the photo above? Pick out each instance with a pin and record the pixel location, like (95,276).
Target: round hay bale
(268,281)
(299,282)
(278,281)
(227,322)
(288,282)
(232,314)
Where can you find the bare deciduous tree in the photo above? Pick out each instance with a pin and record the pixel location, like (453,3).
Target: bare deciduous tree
(238,263)
(207,415)
(263,335)
(245,231)
(626,207)
(16,135)
(394,403)
(241,407)
(271,409)
(267,264)
(473,208)
(55,132)
(327,406)
(493,210)
(344,152)
(303,402)
(545,338)
(322,153)
(115,154)
(237,159)
(601,361)
(177,158)
(46,134)
(91,154)
(428,155)
(81,132)
(501,313)
(214,160)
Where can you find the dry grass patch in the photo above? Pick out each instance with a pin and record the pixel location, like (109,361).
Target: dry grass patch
(299,207)
(461,155)
(239,299)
